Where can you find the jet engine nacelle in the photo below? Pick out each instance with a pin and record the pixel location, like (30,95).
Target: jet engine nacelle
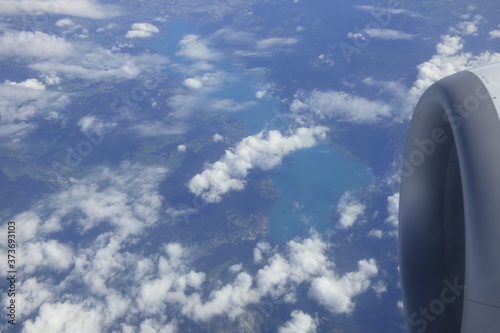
(449,213)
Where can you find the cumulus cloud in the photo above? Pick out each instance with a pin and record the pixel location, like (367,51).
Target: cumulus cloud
(82,8)
(310,108)
(101,64)
(125,199)
(67,22)
(27,99)
(392,219)
(260,248)
(142,30)
(193,83)
(195,48)
(54,56)
(468,27)
(336,293)
(218,137)
(388,34)
(120,205)
(129,210)
(29,83)
(494,34)
(264,150)
(300,323)
(393,210)
(449,45)
(206,82)
(317,105)
(34,45)
(304,262)
(349,209)
(448,60)
(376,233)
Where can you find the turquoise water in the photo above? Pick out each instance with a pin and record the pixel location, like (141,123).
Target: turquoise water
(310,181)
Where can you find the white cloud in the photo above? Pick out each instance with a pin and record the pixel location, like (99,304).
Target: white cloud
(234,36)
(218,137)
(275,42)
(468,27)
(101,64)
(247,44)
(181,148)
(22,101)
(91,124)
(126,200)
(129,204)
(260,94)
(82,8)
(35,45)
(51,79)
(305,262)
(300,323)
(385,10)
(349,209)
(54,57)
(495,34)
(264,150)
(50,253)
(206,82)
(65,317)
(388,34)
(142,30)
(326,59)
(67,22)
(355,35)
(29,83)
(318,105)
(447,61)
(449,45)
(193,83)
(393,210)
(375,233)
(12,134)
(261,247)
(335,293)
(183,104)
(230,105)
(379,288)
(192,47)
